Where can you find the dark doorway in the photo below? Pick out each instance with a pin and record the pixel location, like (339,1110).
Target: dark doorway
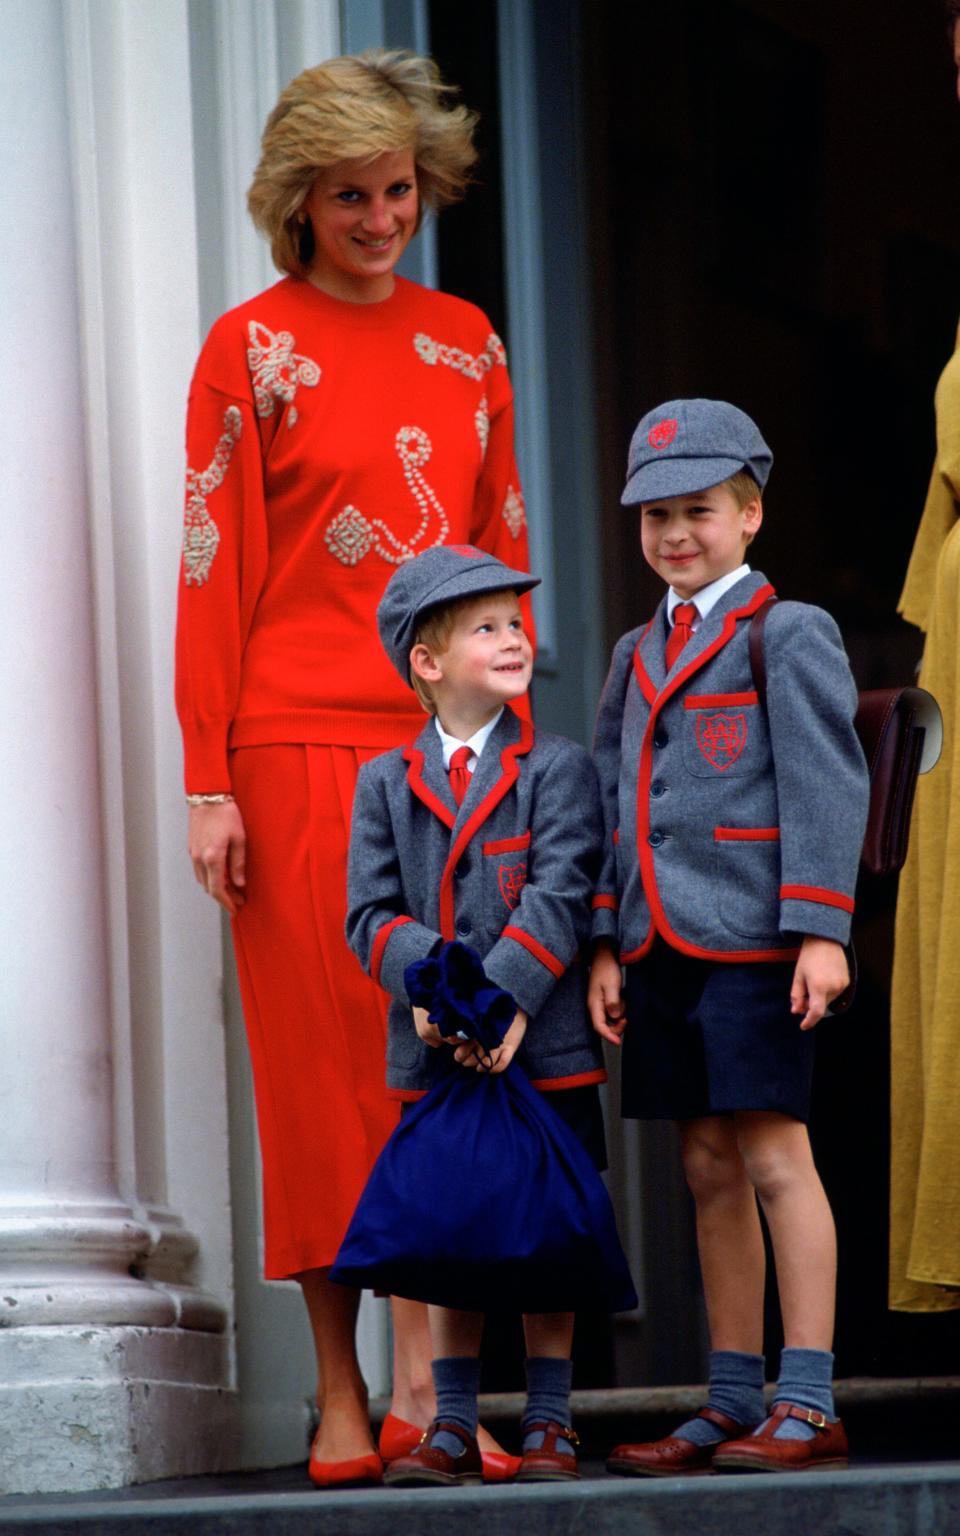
(776,222)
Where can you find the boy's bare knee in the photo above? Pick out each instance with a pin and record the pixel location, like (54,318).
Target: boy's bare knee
(711,1160)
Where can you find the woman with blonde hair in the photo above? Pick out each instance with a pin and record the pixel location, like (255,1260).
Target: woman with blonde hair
(338,424)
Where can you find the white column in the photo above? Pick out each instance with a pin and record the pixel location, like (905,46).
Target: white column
(113,1362)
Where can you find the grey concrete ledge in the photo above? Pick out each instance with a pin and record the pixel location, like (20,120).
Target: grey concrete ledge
(889,1501)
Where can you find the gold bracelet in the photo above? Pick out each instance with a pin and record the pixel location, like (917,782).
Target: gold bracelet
(193,800)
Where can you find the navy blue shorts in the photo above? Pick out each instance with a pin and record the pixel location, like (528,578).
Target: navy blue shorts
(581,1110)
(708,1038)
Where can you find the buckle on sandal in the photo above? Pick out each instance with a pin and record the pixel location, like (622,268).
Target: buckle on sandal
(817,1419)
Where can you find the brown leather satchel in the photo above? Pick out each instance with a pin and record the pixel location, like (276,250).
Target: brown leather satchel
(901,732)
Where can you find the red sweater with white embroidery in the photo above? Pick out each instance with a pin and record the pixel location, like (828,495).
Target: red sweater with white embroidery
(326,443)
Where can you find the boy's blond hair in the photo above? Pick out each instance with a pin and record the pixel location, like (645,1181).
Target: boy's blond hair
(434,629)
(744,489)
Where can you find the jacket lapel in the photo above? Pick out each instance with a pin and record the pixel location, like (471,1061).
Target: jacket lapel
(717,629)
(427,777)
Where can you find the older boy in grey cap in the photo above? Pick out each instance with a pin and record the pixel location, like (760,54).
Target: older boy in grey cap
(732,841)
(486,831)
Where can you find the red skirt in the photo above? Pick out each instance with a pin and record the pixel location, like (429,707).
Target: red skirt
(316,1025)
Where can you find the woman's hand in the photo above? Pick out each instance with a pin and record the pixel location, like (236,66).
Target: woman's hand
(605,995)
(821,974)
(472,1054)
(217,844)
(429,1033)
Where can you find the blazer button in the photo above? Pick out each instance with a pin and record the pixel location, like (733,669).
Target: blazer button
(655,839)
(462,869)
(660,739)
(463,926)
(657,788)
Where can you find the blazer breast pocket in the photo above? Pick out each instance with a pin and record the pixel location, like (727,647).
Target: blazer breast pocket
(747,862)
(505,863)
(724,734)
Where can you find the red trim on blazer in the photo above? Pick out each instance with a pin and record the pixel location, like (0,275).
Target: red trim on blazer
(380,944)
(718,700)
(576,1080)
(544,1084)
(631,956)
(508,844)
(817,893)
(644,852)
(746,834)
(727,631)
(509,774)
(616,836)
(609,902)
(643,678)
(414,757)
(555,966)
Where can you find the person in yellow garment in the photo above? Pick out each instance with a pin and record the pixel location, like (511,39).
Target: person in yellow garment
(925,1011)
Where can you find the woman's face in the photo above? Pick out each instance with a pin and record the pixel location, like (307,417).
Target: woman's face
(364,214)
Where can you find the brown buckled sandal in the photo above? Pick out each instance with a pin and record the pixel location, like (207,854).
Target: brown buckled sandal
(546,1464)
(673,1456)
(427,1465)
(827,1451)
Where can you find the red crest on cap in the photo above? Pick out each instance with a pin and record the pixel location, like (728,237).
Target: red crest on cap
(663,434)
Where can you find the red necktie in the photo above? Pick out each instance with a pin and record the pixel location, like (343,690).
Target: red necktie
(460,773)
(683,617)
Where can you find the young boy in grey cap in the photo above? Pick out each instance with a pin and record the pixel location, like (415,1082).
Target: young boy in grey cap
(732,840)
(486,831)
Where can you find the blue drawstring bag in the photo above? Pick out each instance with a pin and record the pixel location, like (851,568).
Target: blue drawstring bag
(483,1198)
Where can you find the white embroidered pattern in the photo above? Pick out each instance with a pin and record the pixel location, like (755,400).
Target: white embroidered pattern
(201,536)
(277,370)
(481,417)
(433,352)
(514,512)
(350,535)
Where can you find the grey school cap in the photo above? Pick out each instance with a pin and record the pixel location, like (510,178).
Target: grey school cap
(440,575)
(687,445)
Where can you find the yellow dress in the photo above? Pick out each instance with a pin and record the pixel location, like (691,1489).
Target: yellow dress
(925,1015)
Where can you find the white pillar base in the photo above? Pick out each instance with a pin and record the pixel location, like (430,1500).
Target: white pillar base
(88,1408)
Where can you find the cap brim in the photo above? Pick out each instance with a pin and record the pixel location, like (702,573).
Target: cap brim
(677,477)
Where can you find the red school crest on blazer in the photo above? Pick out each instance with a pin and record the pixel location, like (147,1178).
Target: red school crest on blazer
(512,878)
(721,738)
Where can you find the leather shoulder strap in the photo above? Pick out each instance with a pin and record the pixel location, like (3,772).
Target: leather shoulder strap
(758,662)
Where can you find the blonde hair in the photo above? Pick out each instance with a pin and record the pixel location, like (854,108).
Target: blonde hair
(743,488)
(356,107)
(434,628)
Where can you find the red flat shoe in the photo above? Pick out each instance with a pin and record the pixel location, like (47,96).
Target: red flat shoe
(356,1472)
(398,1438)
(499,1466)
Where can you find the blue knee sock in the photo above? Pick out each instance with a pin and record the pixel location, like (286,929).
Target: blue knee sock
(548,1397)
(456,1381)
(736,1388)
(806,1379)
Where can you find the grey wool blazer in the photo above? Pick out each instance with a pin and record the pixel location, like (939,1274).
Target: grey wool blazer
(511,872)
(730,829)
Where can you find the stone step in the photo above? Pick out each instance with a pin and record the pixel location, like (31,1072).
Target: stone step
(899,1500)
(904,1480)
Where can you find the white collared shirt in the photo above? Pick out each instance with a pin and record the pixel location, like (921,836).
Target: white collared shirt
(476,743)
(707,597)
